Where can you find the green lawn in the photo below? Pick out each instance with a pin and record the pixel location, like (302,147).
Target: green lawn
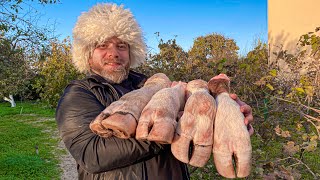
(28,143)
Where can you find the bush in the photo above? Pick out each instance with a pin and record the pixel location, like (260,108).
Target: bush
(55,73)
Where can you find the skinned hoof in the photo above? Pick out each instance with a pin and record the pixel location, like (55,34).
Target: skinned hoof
(162,132)
(97,128)
(200,155)
(142,131)
(180,147)
(121,125)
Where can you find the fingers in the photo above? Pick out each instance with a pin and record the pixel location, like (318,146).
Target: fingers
(236,98)
(247,112)
(250,129)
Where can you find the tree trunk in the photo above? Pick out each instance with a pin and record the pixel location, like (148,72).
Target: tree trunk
(11,100)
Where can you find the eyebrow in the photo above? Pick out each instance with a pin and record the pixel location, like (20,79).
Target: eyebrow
(123,42)
(119,42)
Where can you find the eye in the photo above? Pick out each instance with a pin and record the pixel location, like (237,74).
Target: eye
(102,46)
(123,46)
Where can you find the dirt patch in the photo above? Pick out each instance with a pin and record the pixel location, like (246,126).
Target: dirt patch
(67,162)
(68,165)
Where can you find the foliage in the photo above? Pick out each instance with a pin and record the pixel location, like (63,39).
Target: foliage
(55,72)
(289,115)
(15,71)
(23,130)
(213,47)
(211,55)
(21,40)
(200,62)
(20,23)
(170,60)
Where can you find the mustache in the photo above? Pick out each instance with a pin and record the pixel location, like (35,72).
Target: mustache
(107,61)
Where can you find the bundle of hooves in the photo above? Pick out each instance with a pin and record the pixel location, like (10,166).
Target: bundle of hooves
(211,122)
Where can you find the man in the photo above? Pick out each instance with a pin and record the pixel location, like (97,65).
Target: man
(107,41)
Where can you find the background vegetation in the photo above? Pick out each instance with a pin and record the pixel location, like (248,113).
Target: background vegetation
(36,66)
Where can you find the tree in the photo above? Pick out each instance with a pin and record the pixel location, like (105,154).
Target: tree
(209,56)
(170,60)
(21,40)
(15,71)
(213,47)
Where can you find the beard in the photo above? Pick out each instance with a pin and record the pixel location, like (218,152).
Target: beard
(115,76)
(112,75)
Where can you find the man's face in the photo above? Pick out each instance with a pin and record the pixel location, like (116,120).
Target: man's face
(111,60)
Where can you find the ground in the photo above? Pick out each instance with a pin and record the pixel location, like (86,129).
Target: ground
(68,165)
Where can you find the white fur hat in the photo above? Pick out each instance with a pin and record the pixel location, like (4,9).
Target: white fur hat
(101,22)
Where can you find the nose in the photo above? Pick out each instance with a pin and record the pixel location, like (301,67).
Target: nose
(112,51)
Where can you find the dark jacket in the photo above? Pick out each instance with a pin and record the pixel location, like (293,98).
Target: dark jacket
(110,158)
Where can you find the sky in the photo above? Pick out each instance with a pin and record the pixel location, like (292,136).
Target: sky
(245,21)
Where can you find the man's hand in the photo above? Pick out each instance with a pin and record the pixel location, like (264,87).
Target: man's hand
(247,112)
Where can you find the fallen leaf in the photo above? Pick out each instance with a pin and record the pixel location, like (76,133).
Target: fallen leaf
(299,126)
(260,82)
(311,146)
(285,134)
(270,87)
(305,136)
(314,137)
(278,130)
(290,148)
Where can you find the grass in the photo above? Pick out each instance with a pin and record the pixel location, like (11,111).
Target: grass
(28,143)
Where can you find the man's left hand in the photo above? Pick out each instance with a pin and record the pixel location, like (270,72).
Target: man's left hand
(247,112)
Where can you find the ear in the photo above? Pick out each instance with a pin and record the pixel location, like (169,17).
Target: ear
(90,61)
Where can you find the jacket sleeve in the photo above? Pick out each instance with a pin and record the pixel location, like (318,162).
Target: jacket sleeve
(76,109)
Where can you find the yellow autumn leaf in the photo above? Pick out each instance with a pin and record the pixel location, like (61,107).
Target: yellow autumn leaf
(280,92)
(309,90)
(299,89)
(299,126)
(273,72)
(312,146)
(290,95)
(314,137)
(305,136)
(270,87)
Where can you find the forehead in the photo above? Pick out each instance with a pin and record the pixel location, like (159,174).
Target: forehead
(114,40)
